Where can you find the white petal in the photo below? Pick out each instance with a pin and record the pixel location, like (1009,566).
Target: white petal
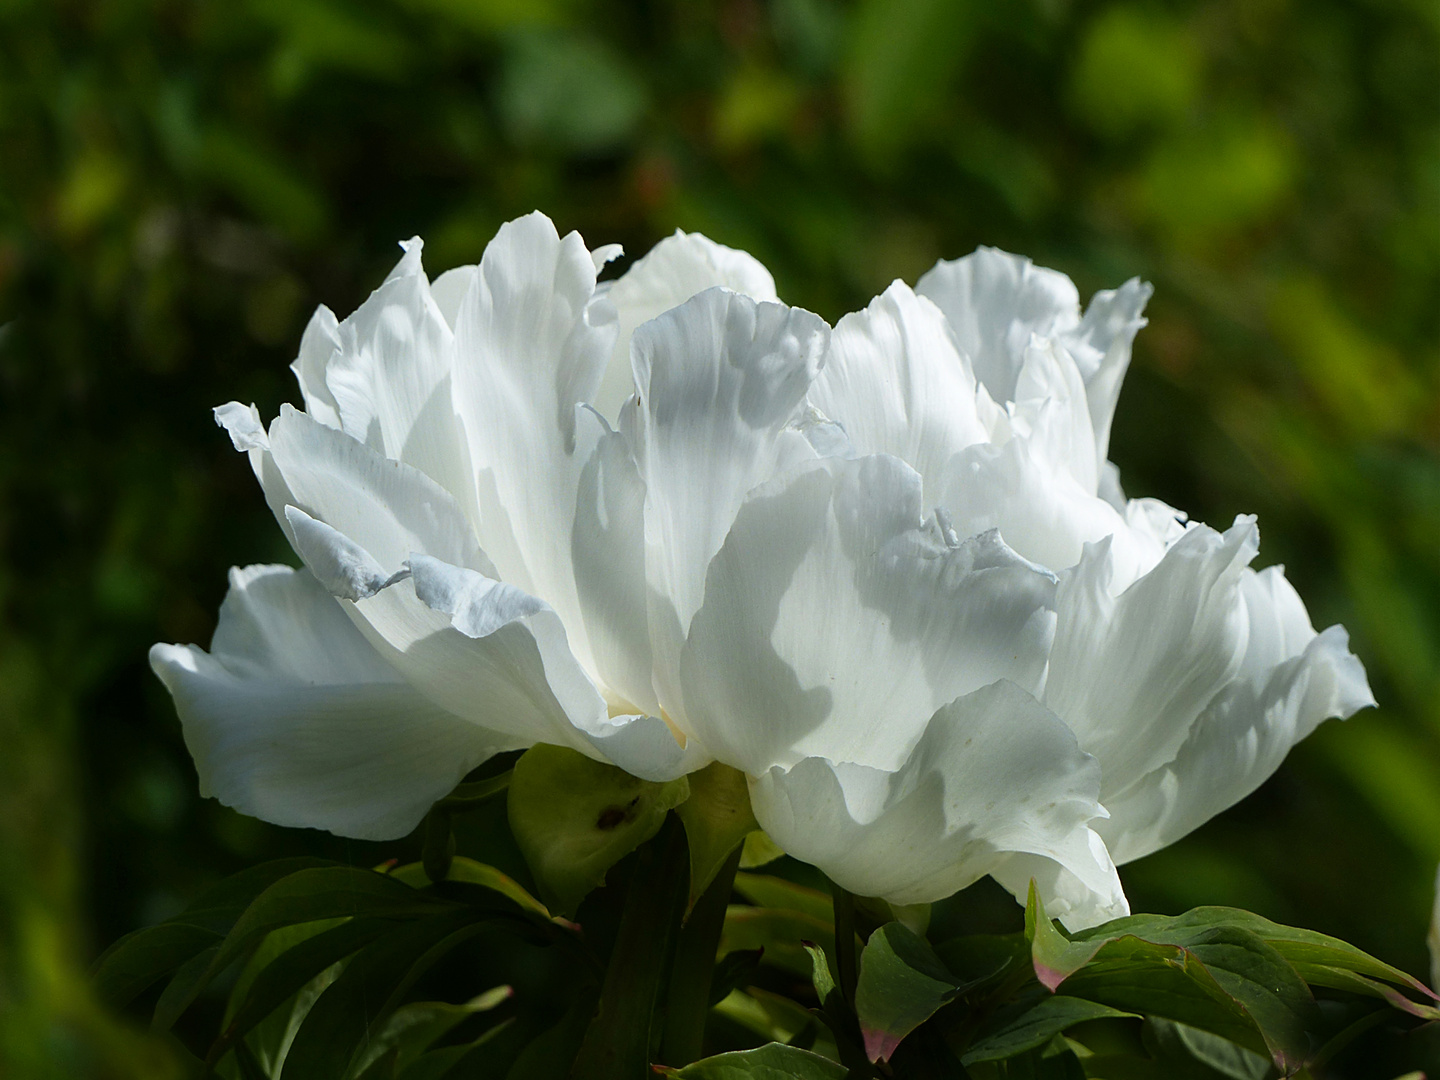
(390,378)
(995,301)
(1290,681)
(532,340)
(318,344)
(485,650)
(606,253)
(1130,673)
(346,569)
(1052,411)
(721,378)
(995,773)
(383,506)
(500,657)
(674,270)
(1042,512)
(293,718)
(834,624)
(608,549)
(1080,893)
(449,289)
(1101,345)
(242,424)
(647,747)
(895,380)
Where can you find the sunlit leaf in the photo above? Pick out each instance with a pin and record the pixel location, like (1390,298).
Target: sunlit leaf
(575,818)
(717,818)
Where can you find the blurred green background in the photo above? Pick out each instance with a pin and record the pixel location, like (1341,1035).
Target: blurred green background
(182,181)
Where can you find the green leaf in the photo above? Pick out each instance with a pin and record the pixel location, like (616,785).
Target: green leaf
(268,1039)
(368,990)
(765,891)
(306,896)
(574,818)
(412,1029)
(472,1059)
(1335,978)
(1055,956)
(1167,981)
(902,984)
(140,958)
(759,850)
(735,971)
(1254,987)
(717,818)
(781,934)
(471,872)
(771,1016)
(188,980)
(1224,1057)
(552,1053)
(979,958)
(771,1062)
(306,950)
(1035,1026)
(1295,944)
(821,976)
(249,1065)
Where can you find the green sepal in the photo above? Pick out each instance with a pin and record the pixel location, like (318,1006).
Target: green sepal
(717,818)
(574,818)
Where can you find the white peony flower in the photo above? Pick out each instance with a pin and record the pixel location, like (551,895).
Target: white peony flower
(885,571)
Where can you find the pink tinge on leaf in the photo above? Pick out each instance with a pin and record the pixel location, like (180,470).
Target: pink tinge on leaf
(879,1045)
(1050,977)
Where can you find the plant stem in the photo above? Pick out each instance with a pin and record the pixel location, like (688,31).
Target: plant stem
(844,941)
(617,1043)
(687,1003)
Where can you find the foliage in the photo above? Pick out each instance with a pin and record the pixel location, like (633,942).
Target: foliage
(183,180)
(330,955)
